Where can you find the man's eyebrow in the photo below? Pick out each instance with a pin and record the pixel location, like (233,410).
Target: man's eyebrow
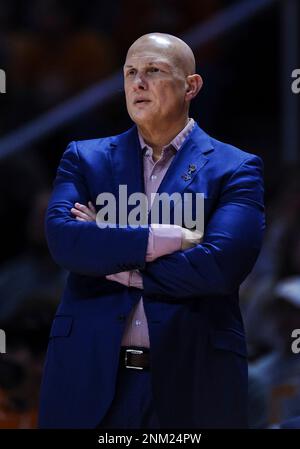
(127,66)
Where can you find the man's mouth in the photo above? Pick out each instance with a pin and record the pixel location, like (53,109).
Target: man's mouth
(140,101)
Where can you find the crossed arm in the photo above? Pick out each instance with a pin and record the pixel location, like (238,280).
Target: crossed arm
(217,265)
(163,240)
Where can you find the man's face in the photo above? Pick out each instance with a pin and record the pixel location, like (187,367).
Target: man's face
(154,87)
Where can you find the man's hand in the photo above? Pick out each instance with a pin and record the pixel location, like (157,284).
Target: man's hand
(190,238)
(84,213)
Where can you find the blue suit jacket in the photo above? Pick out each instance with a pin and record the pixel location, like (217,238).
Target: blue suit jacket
(198,350)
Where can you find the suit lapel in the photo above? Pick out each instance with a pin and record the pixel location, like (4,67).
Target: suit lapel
(188,161)
(127,162)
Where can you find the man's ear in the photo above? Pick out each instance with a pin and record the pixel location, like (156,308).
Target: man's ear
(194,84)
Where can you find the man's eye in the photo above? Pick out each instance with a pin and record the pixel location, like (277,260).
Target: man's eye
(154,69)
(131,72)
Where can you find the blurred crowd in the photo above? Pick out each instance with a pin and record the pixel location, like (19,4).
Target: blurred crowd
(52,50)
(270,299)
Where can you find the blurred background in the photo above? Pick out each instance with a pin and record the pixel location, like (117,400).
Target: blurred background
(62,61)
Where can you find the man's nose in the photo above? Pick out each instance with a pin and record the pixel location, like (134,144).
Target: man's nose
(140,82)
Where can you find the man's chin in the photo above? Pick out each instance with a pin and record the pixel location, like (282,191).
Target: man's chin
(142,119)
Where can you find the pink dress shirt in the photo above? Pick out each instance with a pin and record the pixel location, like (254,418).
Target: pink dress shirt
(163,239)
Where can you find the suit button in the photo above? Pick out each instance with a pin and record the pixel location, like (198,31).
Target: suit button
(121,317)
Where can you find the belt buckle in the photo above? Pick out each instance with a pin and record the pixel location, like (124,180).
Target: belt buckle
(133,351)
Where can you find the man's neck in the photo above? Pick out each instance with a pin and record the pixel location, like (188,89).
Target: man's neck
(159,137)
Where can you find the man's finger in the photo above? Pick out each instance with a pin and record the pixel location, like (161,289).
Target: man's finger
(86,210)
(80,214)
(82,208)
(91,206)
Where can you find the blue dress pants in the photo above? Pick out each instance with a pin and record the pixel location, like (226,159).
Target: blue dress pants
(132,406)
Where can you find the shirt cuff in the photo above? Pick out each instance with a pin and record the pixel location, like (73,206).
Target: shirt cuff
(163,239)
(122,277)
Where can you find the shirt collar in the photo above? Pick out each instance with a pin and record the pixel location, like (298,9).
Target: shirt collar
(178,140)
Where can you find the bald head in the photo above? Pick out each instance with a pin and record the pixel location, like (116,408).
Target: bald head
(171,47)
(160,82)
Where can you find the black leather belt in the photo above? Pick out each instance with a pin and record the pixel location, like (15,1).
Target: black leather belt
(135,357)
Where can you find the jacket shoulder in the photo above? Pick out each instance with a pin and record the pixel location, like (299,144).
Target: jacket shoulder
(232,154)
(101,144)
(223,153)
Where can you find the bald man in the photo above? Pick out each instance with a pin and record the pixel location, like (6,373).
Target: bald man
(149,333)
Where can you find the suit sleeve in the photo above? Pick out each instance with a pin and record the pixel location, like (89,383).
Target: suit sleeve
(83,247)
(231,243)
